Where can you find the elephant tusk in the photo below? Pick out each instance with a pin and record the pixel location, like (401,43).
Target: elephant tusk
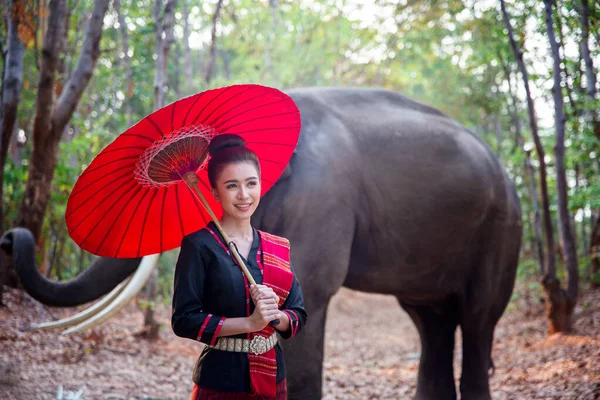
(85,314)
(137,282)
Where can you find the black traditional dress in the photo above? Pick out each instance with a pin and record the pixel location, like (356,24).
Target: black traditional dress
(210,287)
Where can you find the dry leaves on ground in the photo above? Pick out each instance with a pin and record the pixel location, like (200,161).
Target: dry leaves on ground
(372,352)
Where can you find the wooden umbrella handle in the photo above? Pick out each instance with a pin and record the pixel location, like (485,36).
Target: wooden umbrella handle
(192,181)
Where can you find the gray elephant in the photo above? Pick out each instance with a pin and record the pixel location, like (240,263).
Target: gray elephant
(384,195)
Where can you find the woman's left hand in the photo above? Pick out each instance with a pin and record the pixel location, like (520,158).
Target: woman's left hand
(262,292)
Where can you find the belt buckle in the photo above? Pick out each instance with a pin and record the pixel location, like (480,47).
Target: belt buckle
(258,345)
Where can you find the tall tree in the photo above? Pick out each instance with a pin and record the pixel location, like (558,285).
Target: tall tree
(268,72)
(165,20)
(51,117)
(528,167)
(553,292)
(595,250)
(12,82)
(164,39)
(593,118)
(561,310)
(187,51)
(213,42)
(590,73)
(126,61)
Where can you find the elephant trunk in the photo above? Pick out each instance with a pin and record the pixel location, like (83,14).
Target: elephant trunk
(97,280)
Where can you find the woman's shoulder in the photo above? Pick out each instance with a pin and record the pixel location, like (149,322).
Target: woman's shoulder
(200,238)
(280,240)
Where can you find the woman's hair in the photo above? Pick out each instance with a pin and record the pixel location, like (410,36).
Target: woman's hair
(226,149)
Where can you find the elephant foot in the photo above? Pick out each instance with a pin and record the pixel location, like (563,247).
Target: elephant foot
(435,394)
(475,395)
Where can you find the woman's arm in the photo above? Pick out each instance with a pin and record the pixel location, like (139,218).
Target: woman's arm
(189,319)
(293,309)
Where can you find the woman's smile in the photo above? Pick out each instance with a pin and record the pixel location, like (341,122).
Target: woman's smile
(244,207)
(238,190)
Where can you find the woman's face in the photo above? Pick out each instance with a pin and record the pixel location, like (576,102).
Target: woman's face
(238,189)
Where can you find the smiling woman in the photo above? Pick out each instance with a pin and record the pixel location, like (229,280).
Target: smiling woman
(211,300)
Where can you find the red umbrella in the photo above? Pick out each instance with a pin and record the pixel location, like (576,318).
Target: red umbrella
(134,199)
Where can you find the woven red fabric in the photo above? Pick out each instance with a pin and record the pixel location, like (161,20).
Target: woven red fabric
(200,393)
(277,274)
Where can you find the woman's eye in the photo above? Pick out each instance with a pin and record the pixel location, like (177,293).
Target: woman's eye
(231,186)
(252,183)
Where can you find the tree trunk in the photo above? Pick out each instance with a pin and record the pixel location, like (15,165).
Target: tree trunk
(584,245)
(586,249)
(270,39)
(528,168)
(50,118)
(590,74)
(43,154)
(559,322)
(537,220)
(61,65)
(126,62)
(164,40)
(177,76)
(564,68)
(550,266)
(12,83)
(151,327)
(187,52)
(595,251)
(14,148)
(226,64)
(213,42)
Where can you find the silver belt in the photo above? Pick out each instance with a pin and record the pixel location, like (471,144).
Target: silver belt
(258,344)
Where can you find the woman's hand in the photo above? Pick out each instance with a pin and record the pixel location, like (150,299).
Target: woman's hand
(260,292)
(265,311)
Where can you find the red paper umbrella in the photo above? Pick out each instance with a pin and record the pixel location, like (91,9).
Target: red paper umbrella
(134,199)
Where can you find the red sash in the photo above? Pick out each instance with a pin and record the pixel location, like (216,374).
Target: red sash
(273,259)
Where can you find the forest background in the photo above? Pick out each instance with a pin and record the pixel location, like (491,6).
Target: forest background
(523,75)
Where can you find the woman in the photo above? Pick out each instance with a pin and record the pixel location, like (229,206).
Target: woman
(211,300)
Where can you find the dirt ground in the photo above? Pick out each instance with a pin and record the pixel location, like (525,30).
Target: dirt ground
(363,360)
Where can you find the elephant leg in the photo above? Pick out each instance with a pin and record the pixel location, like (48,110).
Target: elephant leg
(436,325)
(485,300)
(321,271)
(305,374)
(477,349)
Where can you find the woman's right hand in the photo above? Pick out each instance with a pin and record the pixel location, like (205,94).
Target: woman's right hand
(265,311)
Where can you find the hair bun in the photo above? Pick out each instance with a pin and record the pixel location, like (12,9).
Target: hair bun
(221,142)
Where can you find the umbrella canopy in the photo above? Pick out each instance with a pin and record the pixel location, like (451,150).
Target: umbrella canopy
(132,201)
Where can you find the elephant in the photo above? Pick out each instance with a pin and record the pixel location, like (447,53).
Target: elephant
(387,195)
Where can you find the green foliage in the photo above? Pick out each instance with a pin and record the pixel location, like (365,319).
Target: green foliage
(14,185)
(453,55)
(527,270)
